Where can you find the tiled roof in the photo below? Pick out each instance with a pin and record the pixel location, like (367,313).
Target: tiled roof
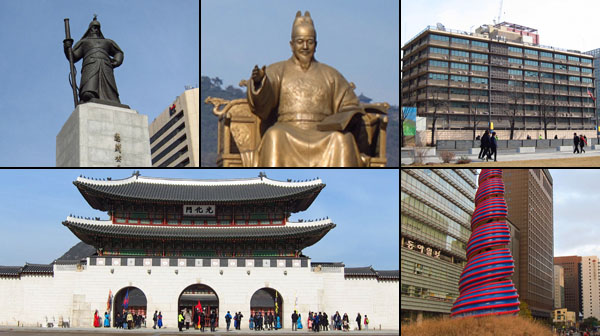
(151,189)
(369,271)
(83,227)
(27,269)
(10,270)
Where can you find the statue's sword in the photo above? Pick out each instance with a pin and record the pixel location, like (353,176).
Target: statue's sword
(72,65)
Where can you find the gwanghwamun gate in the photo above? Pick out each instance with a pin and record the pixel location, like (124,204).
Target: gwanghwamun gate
(169,243)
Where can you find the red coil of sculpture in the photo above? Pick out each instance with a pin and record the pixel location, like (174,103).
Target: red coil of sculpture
(484,285)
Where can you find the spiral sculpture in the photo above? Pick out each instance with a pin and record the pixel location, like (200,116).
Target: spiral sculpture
(484,285)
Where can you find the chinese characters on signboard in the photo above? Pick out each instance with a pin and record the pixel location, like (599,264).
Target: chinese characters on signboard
(199,210)
(411,245)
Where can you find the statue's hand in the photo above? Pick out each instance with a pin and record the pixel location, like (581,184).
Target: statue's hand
(67,43)
(258,74)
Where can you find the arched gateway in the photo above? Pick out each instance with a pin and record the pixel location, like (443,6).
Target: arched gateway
(265,301)
(137,303)
(199,295)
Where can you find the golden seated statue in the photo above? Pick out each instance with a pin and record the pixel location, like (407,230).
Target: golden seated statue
(239,130)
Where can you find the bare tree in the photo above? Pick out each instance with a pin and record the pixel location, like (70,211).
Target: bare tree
(475,121)
(547,108)
(512,112)
(438,104)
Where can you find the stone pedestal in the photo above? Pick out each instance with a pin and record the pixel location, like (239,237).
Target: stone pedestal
(97,135)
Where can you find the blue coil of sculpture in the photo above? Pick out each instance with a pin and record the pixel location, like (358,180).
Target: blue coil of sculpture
(484,285)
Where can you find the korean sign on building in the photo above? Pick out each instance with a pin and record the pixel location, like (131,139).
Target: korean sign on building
(411,245)
(199,210)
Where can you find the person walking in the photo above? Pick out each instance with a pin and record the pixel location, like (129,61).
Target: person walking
(240,316)
(202,320)
(188,319)
(106,320)
(325,321)
(582,143)
(235,320)
(213,320)
(294,321)
(485,142)
(228,319)
(251,319)
(270,321)
(346,322)
(575,143)
(155,318)
(358,320)
(309,321)
(492,149)
(366,322)
(160,324)
(299,321)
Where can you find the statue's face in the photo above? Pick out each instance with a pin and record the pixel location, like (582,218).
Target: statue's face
(94,30)
(303,47)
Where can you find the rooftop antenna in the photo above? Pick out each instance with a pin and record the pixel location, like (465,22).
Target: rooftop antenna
(500,12)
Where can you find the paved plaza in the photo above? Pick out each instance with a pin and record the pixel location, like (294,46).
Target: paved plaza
(512,155)
(5,331)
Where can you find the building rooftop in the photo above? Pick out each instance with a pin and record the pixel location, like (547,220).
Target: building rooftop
(481,37)
(86,229)
(100,193)
(370,272)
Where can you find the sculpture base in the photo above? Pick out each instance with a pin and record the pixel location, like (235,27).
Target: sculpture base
(89,138)
(107,102)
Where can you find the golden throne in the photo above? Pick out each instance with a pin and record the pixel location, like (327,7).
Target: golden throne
(239,130)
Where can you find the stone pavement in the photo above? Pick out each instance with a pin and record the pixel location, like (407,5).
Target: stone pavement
(512,155)
(20,331)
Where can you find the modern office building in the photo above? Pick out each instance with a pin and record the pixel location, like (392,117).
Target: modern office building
(596,54)
(589,287)
(436,209)
(460,80)
(530,208)
(572,270)
(175,133)
(559,287)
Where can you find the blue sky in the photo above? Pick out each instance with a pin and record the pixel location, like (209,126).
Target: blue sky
(159,39)
(359,38)
(362,203)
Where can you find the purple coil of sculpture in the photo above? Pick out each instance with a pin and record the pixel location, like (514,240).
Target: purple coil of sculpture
(484,285)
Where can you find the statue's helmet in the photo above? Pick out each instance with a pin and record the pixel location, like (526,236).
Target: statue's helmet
(303,25)
(92,24)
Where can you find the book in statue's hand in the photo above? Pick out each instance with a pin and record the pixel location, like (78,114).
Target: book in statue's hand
(339,121)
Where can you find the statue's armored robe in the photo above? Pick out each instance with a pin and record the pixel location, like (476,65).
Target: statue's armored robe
(97,71)
(301,100)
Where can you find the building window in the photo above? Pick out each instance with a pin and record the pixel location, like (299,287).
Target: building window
(478,55)
(531,52)
(586,70)
(479,44)
(483,68)
(459,53)
(479,80)
(435,50)
(515,49)
(440,64)
(530,62)
(560,56)
(545,54)
(515,60)
(546,75)
(459,40)
(586,60)
(438,76)
(439,37)
(573,68)
(418,269)
(456,78)
(531,73)
(574,79)
(574,58)
(586,80)
(547,65)
(459,66)
(515,72)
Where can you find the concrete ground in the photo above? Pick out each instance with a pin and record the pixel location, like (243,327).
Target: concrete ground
(548,157)
(19,331)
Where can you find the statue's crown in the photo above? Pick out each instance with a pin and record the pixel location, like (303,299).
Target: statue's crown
(303,24)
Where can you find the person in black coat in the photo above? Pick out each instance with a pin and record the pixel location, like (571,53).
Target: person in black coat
(294,321)
(485,143)
(575,143)
(358,316)
(493,147)
(213,320)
